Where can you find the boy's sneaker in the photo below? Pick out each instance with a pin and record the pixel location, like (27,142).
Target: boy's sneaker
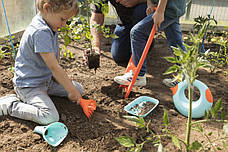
(6,102)
(127,77)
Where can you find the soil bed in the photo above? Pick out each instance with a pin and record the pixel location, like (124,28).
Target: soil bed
(98,134)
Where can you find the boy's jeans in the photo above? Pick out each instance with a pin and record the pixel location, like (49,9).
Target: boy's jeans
(141,31)
(36,104)
(121,49)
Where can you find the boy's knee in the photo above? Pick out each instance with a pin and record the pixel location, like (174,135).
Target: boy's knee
(49,118)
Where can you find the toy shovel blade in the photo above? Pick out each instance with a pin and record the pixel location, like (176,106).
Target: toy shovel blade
(88,106)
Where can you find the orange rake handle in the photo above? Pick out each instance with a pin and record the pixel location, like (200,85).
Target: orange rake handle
(88,106)
(141,61)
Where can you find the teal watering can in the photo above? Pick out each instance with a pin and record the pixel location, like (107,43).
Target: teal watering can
(200,106)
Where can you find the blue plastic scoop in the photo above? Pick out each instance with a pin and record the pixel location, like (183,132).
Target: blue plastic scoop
(54,133)
(136,106)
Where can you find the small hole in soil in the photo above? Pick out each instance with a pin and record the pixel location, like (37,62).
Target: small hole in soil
(196,94)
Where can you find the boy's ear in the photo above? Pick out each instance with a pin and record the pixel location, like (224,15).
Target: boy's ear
(46,7)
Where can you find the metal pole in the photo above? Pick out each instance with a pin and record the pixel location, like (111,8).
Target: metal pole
(8,29)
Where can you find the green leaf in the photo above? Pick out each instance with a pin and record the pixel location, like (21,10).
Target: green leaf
(210,133)
(172,69)
(165,118)
(114,36)
(177,51)
(224,145)
(105,9)
(213,112)
(126,141)
(200,127)
(141,122)
(195,145)
(171,59)
(147,126)
(139,147)
(148,138)
(219,148)
(138,120)
(223,115)
(176,141)
(218,105)
(67,40)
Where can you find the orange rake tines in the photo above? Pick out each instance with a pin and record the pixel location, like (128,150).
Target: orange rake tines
(132,67)
(88,106)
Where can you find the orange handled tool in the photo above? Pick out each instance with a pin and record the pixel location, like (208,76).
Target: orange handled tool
(88,106)
(135,69)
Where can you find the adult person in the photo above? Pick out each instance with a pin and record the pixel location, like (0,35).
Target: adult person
(129,13)
(166,18)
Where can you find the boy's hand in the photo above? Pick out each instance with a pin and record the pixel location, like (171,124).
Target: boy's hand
(75,96)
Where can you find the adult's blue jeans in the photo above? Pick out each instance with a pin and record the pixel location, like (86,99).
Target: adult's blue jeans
(140,33)
(121,46)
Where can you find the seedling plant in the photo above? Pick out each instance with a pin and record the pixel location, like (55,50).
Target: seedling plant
(78,30)
(212,140)
(6,50)
(186,65)
(218,58)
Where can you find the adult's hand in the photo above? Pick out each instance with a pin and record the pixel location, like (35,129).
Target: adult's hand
(158,16)
(87,52)
(128,3)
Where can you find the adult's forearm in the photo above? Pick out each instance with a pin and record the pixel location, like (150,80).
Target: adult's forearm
(96,18)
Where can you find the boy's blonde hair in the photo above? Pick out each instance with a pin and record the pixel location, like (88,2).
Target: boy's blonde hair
(58,5)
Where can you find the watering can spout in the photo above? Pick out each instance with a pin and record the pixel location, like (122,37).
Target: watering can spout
(174,89)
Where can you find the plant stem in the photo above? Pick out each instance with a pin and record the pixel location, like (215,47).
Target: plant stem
(209,120)
(190,95)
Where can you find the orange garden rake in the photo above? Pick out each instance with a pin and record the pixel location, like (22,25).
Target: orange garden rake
(88,106)
(135,69)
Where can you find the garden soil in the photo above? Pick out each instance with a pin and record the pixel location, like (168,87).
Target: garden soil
(98,133)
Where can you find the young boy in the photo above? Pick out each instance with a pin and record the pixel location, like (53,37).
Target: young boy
(37,71)
(166,17)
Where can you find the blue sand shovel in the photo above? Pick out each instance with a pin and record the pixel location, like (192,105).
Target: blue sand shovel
(54,133)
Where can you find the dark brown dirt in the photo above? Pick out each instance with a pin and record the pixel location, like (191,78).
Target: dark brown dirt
(94,61)
(146,108)
(107,122)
